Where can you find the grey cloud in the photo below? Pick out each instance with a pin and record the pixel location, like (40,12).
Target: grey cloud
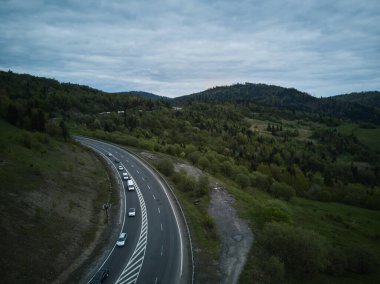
(179,47)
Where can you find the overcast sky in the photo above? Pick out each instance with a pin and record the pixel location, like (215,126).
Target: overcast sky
(175,48)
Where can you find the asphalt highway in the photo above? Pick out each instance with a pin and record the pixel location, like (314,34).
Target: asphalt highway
(154,252)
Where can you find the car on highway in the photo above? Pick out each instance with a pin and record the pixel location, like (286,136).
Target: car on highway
(121,240)
(109,155)
(132,212)
(131,185)
(121,168)
(117,160)
(100,276)
(125,176)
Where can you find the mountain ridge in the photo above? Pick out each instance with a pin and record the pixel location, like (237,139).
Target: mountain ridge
(355,106)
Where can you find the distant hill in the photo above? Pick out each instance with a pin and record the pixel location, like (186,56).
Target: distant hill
(145,95)
(30,94)
(369,99)
(356,106)
(267,95)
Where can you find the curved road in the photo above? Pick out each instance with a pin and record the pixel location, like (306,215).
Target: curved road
(155,251)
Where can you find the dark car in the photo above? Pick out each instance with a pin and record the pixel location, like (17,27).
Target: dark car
(117,160)
(100,276)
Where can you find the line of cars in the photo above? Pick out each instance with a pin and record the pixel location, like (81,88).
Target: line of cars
(131,211)
(103,274)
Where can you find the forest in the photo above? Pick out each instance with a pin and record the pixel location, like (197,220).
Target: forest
(286,146)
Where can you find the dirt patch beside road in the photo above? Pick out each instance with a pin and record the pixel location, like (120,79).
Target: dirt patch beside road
(234,233)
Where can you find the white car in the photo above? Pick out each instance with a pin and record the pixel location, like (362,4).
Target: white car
(121,240)
(121,168)
(130,184)
(125,176)
(132,212)
(109,155)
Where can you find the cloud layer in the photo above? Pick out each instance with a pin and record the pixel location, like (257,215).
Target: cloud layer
(176,48)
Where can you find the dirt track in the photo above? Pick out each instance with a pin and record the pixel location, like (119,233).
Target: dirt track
(234,233)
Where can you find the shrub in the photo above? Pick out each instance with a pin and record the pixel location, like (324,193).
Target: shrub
(203,183)
(302,251)
(242,180)
(274,270)
(261,181)
(362,260)
(276,211)
(204,163)
(282,190)
(166,167)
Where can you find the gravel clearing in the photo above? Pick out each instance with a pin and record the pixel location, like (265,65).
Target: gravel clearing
(234,233)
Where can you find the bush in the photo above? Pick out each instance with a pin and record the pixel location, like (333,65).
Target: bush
(203,183)
(188,184)
(337,262)
(194,157)
(204,163)
(282,190)
(274,270)
(302,251)
(261,181)
(276,211)
(362,260)
(166,167)
(242,180)
(26,140)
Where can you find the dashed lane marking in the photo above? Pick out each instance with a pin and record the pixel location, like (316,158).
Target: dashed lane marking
(131,272)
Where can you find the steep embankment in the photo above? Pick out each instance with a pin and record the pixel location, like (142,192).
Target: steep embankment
(51,194)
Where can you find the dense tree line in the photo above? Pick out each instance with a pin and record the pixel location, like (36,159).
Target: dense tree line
(216,136)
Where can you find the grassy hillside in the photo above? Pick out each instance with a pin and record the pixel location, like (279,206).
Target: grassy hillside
(345,229)
(302,172)
(367,134)
(51,194)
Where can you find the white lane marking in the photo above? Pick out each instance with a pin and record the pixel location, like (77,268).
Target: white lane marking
(155,282)
(161,228)
(132,270)
(162,250)
(138,172)
(154,197)
(167,196)
(148,186)
(95,149)
(159,210)
(174,212)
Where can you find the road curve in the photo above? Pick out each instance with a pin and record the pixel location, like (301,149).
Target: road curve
(156,250)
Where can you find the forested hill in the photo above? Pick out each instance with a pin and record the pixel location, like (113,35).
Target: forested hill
(33,103)
(30,94)
(352,106)
(145,95)
(268,95)
(369,99)
(25,91)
